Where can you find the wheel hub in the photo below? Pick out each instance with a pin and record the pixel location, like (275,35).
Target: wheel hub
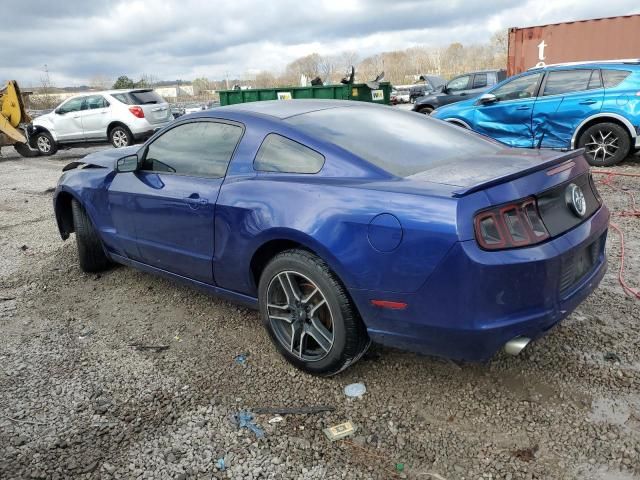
(300,316)
(602,145)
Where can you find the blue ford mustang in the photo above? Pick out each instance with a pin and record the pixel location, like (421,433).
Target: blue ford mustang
(346,223)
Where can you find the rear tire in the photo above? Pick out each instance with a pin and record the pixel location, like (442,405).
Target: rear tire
(605,144)
(45,143)
(24,150)
(90,252)
(120,137)
(426,110)
(328,314)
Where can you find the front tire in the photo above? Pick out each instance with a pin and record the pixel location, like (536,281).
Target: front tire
(45,144)
(309,314)
(426,110)
(120,137)
(90,252)
(605,144)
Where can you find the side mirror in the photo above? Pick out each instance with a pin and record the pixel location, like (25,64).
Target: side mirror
(487,99)
(59,111)
(127,164)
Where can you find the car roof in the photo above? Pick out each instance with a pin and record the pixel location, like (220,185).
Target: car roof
(289,108)
(595,64)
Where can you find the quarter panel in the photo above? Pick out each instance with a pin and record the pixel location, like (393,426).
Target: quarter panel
(333,221)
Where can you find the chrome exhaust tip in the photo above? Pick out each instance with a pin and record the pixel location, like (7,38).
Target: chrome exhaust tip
(516,345)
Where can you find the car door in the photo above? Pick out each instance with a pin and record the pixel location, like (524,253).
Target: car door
(457,89)
(566,98)
(96,116)
(168,204)
(508,117)
(67,121)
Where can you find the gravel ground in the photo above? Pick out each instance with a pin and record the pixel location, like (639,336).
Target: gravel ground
(76,400)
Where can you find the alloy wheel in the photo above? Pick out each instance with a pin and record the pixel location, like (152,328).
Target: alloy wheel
(300,316)
(120,139)
(602,145)
(44,144)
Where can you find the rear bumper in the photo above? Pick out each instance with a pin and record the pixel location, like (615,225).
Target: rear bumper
(142,128)
(476,301)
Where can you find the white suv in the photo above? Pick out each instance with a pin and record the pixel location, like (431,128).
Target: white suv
(117,116)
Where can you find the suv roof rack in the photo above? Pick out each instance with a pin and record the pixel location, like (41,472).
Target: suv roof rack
(588,62)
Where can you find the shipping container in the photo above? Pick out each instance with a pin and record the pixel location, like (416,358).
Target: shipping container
(610,38)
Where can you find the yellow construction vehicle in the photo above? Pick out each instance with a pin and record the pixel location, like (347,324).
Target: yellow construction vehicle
(14,120)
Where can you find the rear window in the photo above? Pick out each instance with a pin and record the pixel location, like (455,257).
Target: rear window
(139,97)
(401,143)
(613,78)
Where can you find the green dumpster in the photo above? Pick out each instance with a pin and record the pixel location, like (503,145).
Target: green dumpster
(356,91)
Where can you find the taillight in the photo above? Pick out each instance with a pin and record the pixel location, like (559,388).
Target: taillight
(509,226)
(137,111)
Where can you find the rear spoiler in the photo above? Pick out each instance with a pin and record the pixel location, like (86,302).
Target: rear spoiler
(565,157)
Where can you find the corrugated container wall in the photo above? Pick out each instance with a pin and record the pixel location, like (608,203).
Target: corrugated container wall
(600,39)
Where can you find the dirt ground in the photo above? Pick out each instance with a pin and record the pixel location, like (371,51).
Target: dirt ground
(77,400)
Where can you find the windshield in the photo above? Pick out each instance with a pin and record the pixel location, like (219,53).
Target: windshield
(402,143)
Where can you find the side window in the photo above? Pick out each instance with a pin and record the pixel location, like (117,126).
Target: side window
(95,101)
(73,105)
(596,81)
(458,84)
(612,78)
(122,97)
(199,149)
(279,154)
(567,81)
(518,88)
(480,80)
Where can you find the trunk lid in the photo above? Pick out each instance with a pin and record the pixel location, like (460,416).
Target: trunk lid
(472,174)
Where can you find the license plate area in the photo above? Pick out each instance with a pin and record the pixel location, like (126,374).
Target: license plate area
(578,264)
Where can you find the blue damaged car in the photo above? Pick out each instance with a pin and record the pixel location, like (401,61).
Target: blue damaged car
(595,106)
(345,223)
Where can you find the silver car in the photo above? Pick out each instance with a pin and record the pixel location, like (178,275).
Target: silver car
(117,116)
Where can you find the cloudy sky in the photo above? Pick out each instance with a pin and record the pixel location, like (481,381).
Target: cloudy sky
(169,39)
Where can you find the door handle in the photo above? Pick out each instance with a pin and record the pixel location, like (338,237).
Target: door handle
(195,201)
(78,116)
(523,108)
(587,102)
(104,113)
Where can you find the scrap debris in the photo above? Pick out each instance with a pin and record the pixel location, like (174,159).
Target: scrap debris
(355,390)
(339,431)
(241,359)
(155,348)
(244,419)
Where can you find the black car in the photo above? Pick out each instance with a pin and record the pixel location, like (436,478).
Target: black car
(459,88)
(431,83)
